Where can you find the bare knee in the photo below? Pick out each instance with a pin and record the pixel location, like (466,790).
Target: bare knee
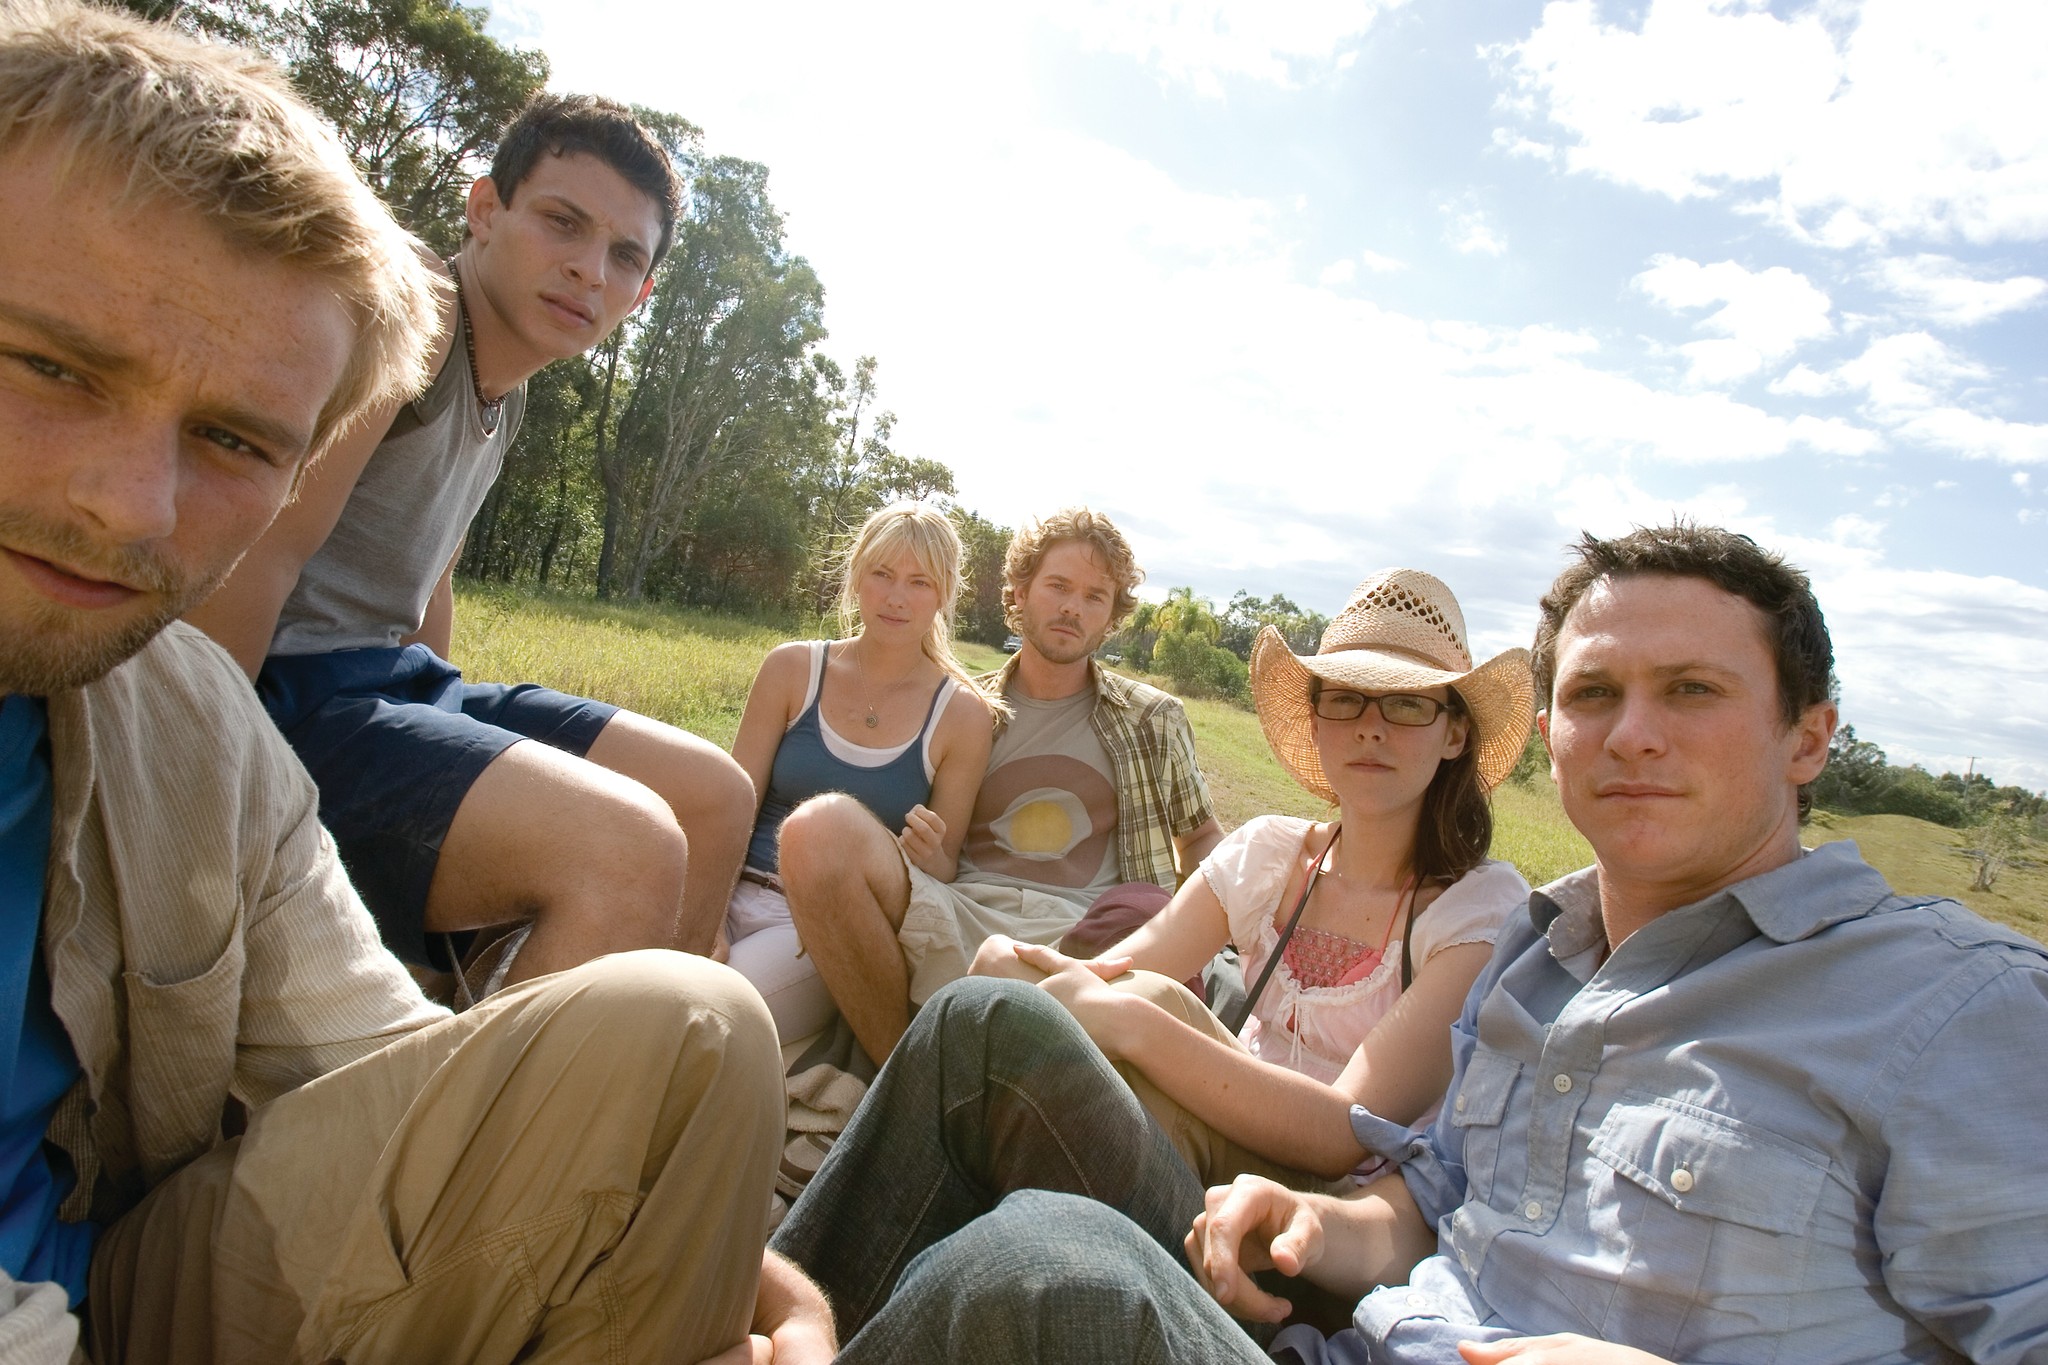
(629,865)
(826,843)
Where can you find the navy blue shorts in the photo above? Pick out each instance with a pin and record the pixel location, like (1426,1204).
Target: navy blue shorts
(394,739)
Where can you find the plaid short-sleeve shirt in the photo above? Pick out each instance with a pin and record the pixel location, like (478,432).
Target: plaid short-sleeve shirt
(1160,794)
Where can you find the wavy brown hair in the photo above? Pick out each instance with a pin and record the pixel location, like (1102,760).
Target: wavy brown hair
(1034,540)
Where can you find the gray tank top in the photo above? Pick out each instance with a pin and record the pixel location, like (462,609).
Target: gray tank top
(367,587)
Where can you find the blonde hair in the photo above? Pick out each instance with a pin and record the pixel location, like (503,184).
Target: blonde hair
(215,129)
(929,535)
(1034,540)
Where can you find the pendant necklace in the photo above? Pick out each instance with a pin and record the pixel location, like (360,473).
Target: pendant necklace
(487,409)
(861,670)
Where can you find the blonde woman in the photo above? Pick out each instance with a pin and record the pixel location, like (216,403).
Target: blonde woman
(887,715)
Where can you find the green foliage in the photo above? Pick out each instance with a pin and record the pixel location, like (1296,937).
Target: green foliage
(418,92)
(721,369)
(983,544)
(1533,762)
(415,89)
(2001,840)
(1197,668)
(1247,615)
(1859,781)
(1183,613)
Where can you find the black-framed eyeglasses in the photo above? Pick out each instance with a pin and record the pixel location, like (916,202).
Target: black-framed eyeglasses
(1398,708)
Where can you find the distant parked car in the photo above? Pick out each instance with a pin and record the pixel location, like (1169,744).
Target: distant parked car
(1011,644)
(1109,656)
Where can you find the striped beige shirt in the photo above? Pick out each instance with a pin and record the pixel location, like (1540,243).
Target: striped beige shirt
(201,938)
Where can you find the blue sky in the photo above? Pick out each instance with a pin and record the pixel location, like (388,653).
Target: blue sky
(1296,291)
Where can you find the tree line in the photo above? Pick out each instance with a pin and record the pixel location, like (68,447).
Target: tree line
(710,453)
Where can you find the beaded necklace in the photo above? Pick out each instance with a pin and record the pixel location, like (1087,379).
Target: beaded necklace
(487,409)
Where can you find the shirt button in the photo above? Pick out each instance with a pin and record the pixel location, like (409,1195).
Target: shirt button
(1532,1210)
(1459,1107)
(1681,1180)
(1561,1083)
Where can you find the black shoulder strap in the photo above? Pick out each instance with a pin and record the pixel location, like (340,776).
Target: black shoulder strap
(1308,883)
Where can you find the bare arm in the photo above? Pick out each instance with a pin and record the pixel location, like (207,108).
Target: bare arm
(1178,940)
(792,1313)
(772,703)
(1400,1068)
(1347,1245)
(437,627)
(1175,942)
(1189,849)
(934,833)
(241,615)
(792,1322)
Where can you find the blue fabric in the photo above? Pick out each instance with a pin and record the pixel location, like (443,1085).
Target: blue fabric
(1049,1277)
(394,739)
(805,768)
(37,1065)
(994,1089)
(1799,1120)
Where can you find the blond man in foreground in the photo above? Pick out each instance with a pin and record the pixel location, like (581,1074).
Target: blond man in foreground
(196,296)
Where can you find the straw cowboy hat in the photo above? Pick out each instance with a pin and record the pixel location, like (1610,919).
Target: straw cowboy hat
(1401,631)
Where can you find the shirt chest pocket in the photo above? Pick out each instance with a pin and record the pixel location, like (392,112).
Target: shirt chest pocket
(1712,1215)
(1476,1112)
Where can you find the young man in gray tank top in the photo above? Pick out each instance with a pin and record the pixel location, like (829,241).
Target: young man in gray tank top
(343,610)
(1092,784)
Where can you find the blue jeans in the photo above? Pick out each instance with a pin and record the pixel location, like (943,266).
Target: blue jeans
(944,1225)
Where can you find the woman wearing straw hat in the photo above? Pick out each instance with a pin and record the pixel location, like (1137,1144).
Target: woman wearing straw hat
(1360,936)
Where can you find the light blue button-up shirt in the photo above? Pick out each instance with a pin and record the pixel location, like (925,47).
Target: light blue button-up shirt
(1803,1120)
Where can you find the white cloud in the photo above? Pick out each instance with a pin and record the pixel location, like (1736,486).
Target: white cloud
(1058,318)
(1338,273)
(1921,120)
(1944,291)
(2020,478)
(1470,230)
(1901,373)
(1986,697)
(1908,383)
(1202,43)
(1516,144)
(1764,314)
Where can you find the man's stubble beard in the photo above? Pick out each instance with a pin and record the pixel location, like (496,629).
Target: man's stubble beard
(55,650)
(1037,634)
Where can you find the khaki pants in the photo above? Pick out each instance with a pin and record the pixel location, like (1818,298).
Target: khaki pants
(1215,1158)
(576,1170)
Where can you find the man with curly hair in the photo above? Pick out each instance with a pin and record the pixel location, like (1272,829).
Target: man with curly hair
(1092,784)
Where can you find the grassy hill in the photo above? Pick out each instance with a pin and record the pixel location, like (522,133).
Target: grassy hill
(692,669)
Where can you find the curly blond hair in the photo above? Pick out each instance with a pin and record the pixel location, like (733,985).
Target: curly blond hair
(1034,540)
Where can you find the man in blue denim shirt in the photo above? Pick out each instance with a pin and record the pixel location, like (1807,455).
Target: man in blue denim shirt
(1715,1098)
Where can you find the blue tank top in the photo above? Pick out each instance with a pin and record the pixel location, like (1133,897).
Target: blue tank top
(814,759)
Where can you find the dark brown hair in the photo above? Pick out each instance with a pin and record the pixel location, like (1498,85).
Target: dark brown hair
(1791,618)
(558,125)
(1455,829)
